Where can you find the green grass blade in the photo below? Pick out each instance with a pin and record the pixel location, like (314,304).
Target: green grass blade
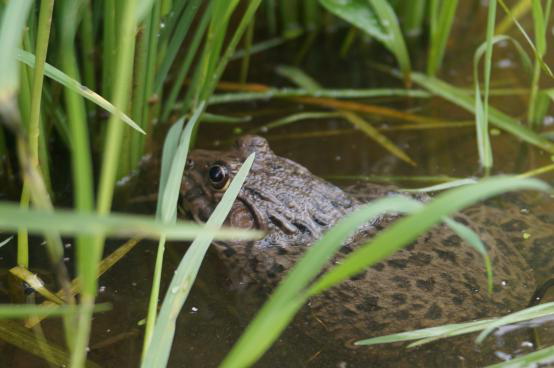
(442,19)
(496,117)
(408,229)
(287,299)
(11,32)
(160,346)
(528,360)
(62,78)
(11,311)
(376,18)
(299,78)
(118,225)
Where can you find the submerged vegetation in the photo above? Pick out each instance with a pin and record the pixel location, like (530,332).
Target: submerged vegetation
(96,79)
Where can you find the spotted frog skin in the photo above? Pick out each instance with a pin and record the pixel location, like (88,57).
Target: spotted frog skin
(435,280)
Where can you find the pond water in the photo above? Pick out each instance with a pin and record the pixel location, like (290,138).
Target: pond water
(214,316)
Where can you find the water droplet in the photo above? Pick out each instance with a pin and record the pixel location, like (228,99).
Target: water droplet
(503,283)
(162,25)
(194,310)
(101,289)
(175,289)
(67,245)
(526,235)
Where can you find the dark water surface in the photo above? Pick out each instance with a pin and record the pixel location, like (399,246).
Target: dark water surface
(214,316)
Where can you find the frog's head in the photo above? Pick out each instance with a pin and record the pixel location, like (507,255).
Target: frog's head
(279,196)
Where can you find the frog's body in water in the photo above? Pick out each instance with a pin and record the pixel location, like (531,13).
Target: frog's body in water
(437,279)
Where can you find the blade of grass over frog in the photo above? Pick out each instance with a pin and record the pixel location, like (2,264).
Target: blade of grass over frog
(224,119)
(522,315)
(12,311)
(444,330)
(475,242)
(289,296)
(409,228)
(14,334)
(295,118)
(169,193)
(374,134)
(517,317)
(496,117)
(11,32)
(174,158)
(533,359)
(442,18)
(443,186)
(300,92)
(157,354)
(117,225)
(29,59)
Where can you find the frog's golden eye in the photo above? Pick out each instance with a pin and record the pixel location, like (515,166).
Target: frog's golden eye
(218,176)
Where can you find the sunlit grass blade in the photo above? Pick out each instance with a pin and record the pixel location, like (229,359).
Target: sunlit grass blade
(224,119)
(118,225)
(62,78)
(299,78)
(157,354)
(35,282)
(496,117)
(11,31)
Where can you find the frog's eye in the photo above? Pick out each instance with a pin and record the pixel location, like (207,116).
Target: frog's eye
(219,176)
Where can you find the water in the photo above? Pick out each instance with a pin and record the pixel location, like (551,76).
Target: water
(214,316)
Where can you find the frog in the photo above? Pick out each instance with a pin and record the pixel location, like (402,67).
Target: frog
(435,280)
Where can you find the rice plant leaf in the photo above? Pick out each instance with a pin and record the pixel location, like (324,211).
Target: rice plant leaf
(15,334)
(298,77)
(224,119)
(377,136)
(408,229)
(51,72)
(288,298)
(463,99)
(11,32)
(12,217)
(157,354)
(293,118)
(533,359)
(376,18)
(442,18)
(142,9)
(428,335)
(443,186)
(12,311)
(172,175)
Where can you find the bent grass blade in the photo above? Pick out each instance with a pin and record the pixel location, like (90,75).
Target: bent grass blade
(158,351)
(51,72)
(291,293)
